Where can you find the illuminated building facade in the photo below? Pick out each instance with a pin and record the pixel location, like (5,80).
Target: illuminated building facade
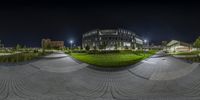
(49,44)
(112,39)
(178,46)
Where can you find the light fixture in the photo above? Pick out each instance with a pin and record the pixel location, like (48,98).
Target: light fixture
(145,41)
(71,41)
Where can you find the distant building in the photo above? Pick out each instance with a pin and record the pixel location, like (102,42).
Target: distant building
(111,39)
(178,46)
(49,44)
(155,47)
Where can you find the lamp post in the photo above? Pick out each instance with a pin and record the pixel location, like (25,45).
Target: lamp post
(145,42)
(71,42)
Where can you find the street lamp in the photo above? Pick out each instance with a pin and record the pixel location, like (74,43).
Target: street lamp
(71,42)
(146,43)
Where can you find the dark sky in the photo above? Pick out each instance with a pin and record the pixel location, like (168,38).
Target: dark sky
(27,22)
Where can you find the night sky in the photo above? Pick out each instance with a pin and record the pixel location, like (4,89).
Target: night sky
(26,22)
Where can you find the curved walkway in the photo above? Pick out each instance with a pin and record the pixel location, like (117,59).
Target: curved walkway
(59,77)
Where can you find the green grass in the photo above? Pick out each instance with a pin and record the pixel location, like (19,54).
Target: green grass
(193,59)
(113,60)
(188,53)
(20,57)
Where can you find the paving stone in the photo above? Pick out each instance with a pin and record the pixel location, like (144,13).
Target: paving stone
(59,77)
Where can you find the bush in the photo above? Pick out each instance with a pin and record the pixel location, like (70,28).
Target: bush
(78,51)
(103,52)
(139,52)
(35,51)
(93,52)
(87,48)
(67,51)
(188,53)
(126,51)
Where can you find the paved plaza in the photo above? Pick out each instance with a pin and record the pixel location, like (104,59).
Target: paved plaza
(59,77)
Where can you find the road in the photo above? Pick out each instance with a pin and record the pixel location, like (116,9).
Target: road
(59,77)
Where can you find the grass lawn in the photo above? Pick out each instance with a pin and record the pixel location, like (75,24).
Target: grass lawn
(189,56)
(113,60)
(192,59)
(188,53)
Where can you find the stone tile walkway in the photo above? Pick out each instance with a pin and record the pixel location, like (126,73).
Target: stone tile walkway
(59,77)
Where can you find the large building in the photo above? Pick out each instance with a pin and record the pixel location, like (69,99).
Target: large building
(178,46)
(49,44)
(112,39)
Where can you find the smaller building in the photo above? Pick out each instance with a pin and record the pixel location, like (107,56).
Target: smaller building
(178,46)
(155,47)
(49,44)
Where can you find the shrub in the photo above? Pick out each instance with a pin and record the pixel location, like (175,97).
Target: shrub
(110,51)
(103,51)
(126,47)
(67,51)
(78,51)
(35,51)
(93,52)
(95,47)
(126,51)
(87,48)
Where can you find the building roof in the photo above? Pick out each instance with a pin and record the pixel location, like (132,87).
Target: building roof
(109,32)
(174,42)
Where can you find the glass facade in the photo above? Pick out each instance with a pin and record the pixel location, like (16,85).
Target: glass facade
(111,39)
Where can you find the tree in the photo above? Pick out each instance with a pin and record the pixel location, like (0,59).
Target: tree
(197,43)
(79,48)
(126,47)
(24,47)
(18,47)
(1,44)
(103,45)
(87,47)
(95,47)
(116,46)
(133,46)
(164,45)
(67,48)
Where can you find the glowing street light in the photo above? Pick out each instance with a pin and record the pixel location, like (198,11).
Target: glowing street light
(145,41)
(71,42)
